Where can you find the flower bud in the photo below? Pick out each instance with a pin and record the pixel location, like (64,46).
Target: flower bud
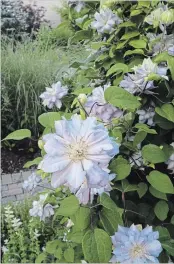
(167,17)
(40,144)
(82,98)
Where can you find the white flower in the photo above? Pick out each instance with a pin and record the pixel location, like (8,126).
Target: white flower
(137,160)
(53,95)
(97,106)
(138,83)
(170,161)
(161,43)
(81,19)
(36,234)
(78,5)
(40,210)
(8,213)
(69,223)
(4,249)
(77,147)
(105,21)
(146,116)
(32,182)
(155,16)
(16,223)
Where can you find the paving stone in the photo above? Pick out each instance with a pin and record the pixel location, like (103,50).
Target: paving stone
(14,186)
(20,197)
(26,174)
(4,187)
(17,177)
(8,199)
(6,179)
(5,193)
(15,191)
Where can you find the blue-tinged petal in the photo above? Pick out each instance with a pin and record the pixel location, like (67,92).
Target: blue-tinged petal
(153,248)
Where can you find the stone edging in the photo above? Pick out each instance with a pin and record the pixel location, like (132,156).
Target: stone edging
(11,187)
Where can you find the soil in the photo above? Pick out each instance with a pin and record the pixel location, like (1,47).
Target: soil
(13,159)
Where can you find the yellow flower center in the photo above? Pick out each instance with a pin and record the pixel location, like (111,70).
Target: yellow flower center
(77,151)
(137,251)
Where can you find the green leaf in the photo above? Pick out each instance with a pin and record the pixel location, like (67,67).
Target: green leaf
(19,134)
(41,257)
(98,45)
(145,128)
(36,161)
(166,111)
(157,193)
(138,44)
(76,236)
(87,90)
(160,182)
(169,247)
(110,220)
(161,210)
(130,35)
(163,122)
(107,202)
(80,35)
(52,246)
(135,51)
(121,44)
(139,137)
(116,133)
(69,255)
(97,246)
(58,253)
(127,187)
(117,68)
(127,24)
(142,189)
(48,119)
(135,12)
(121,167)
(81,219)
(172,220)
(163,233)
(68,206)
(154,154)
(119,97)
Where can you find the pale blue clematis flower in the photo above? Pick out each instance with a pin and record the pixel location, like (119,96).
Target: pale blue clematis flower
(132,245)
(41,210)
(105,21)
(77,147)
(32,182)
(53,95)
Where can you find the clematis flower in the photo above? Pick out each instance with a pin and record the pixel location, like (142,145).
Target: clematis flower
(105,21)
(32,182)
(53,95)
(78,5)
(137,82)
(170,161)
(97,106)
(75,149)
(132,245)
(161,43)
(93,185)
(146,116)
(40,210)
(155,17)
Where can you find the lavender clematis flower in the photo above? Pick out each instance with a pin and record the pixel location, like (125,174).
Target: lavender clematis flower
(105,21)
(146,116)
(97,182)
(137,82)
(97,106)
(40,210)
(53,95)
(32,182)
(132,245)
(77,147)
